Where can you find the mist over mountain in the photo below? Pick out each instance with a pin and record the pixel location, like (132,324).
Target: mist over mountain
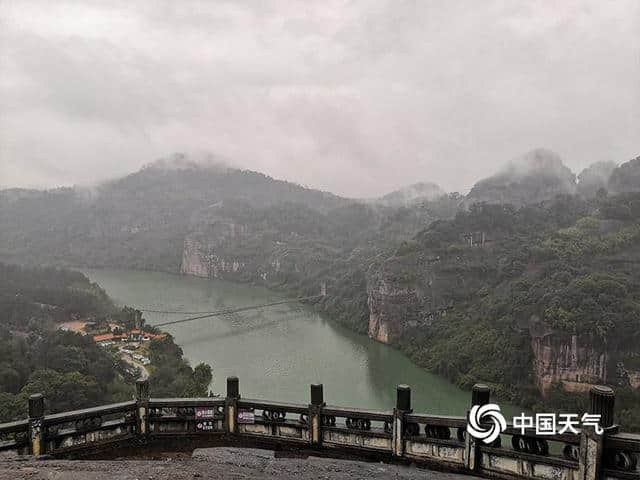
(594,178)
(534,177)
(412,194)
(142,216)
(626,178)
(142,219)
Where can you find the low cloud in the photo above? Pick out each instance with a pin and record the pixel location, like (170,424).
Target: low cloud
(354,97)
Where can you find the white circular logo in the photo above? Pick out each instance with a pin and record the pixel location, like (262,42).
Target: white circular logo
(486,422)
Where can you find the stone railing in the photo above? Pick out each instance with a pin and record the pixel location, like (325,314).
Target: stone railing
(396,435)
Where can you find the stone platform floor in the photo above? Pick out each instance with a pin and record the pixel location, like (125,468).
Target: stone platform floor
(215,463)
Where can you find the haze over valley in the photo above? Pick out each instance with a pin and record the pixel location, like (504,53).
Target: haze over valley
(377,228)
(421,269)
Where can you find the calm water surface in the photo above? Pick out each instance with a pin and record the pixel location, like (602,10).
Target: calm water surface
(278,351)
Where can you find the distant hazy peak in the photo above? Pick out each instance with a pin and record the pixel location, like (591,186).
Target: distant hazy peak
(595,177)
(539,160)
(598,168)
(536,176)
(421,191)
(626,177)
(181,161)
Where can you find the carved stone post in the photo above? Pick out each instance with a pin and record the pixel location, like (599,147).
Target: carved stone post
(315,414)
(231,405)
(142,408)
(480,395)
(602,401)
(36,424)
(403,407)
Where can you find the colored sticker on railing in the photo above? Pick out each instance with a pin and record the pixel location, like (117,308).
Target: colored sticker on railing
(205,412)
(204,426)
(246,416)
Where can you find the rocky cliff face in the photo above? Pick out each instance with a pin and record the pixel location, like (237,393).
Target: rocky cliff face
(563,359)
(576,366)
(199,259)
(193,259)
(203,258)
(412,290)
(227,250)
(391,310)
(208,248)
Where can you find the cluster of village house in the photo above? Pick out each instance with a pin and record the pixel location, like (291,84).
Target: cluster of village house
(132,338)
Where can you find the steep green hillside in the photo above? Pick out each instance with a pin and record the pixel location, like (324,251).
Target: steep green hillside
(545,300)
(68,368)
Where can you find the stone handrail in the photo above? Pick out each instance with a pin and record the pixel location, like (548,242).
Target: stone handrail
(399,434)
(15,437)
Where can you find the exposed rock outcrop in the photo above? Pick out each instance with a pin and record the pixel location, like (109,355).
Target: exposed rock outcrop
(199,259)
(411,290)
(562,358)
(206,251)
(391,309)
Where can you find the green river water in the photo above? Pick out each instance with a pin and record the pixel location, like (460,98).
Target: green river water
(278,351)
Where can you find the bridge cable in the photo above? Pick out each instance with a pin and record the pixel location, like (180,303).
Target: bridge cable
(225,311)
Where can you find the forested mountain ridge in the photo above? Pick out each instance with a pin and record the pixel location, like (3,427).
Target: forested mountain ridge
(138,221)
(529,283)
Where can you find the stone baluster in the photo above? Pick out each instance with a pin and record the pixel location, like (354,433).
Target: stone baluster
(142,408)
(480,395)
(602,402)
(36,424)
(231,405)
(315,414)
(403,407)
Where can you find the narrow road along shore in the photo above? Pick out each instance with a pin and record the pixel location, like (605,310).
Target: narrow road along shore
(144,373)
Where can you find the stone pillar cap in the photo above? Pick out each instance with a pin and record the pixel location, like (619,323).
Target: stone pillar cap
(481,387)
(602,390)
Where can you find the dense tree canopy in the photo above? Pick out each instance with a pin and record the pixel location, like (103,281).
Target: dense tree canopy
(68,368)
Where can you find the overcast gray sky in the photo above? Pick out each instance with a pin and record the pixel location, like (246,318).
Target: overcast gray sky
(355,97)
